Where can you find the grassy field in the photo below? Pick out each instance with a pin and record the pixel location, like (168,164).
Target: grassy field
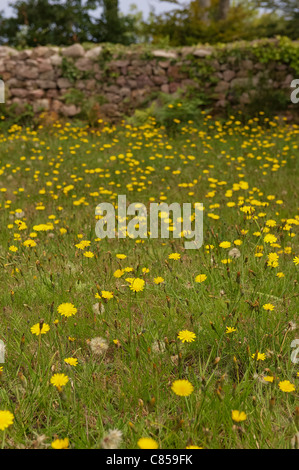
(155,345)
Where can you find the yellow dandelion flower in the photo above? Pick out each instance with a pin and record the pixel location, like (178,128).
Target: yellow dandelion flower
(60,443)
(121,256)
(174,256)
(6,419)
(230,329)
(118,273)
(286,386)
(268,378)
(260,356)
(147,443)
(67,309)
(59,380)
(186,336)
(268,307)
(225,244)
(106,294)
(200,278)
(238,416)
(137,285)
(194,447)
(72,361)
(37,330)
(182,388)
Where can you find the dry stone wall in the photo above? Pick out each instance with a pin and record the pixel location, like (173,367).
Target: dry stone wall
(63,80)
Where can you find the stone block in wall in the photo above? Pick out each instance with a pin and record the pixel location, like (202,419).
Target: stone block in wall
(124,92)
(221,87)
(80,85)
(110,89)
(44,51)
(202,52)
(44,65)
(188,82)
(188,50)
(121,81)
(90,84)
(23,55)
(228,75)
(164,64)
(242,73)
(64,83)
(84,64)
(247,64)
(52,93)
(50,75)
(120,63)
(6,76)
(41,105)
(19,103)
(132,84)
(27,72)
(76,50)
(93,54)
(221,103)
(173,87)
(244,98)
(70,110)
(139,95)
(56,106)
(7,51)
(240,82)
(157,70)
(110,110)
(144,80)
(287,81)
(46,84)
(159,79)
(31,63)
(10,65)
(56,60)
(175,73)
(19,92)
(164,54)
(36,94)
(15,83)
(148,69)
(113,98)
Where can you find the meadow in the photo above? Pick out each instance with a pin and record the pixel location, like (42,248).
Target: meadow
(140,343)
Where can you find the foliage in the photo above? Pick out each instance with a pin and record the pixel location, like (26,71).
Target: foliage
(170,109)
(69,70)
(187,25)
(64,22)
(280,49)
(90,106)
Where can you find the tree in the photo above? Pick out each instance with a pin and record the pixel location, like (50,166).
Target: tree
(112,26)
(47,22)
(223,9)
(188,25)
(204,6)
(63,22)
(286,13)
(289,8)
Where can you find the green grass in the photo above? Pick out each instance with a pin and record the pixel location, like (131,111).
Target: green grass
(129,386)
